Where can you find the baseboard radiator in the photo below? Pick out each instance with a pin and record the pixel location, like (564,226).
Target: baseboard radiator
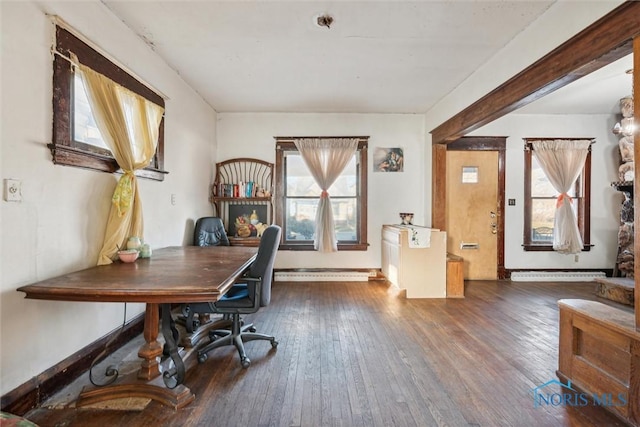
(556,276)
(323,276)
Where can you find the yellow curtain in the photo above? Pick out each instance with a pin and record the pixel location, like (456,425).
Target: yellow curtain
(129,125)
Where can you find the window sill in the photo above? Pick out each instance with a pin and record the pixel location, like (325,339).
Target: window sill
(69,156)
(309,247)
(549,248)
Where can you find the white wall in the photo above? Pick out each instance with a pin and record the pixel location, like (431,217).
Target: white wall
(605,200)
(59,225)
(252,135)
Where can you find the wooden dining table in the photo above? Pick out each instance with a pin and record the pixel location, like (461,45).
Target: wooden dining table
(180,274)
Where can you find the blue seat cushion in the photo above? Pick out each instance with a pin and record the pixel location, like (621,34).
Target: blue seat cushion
(237,291)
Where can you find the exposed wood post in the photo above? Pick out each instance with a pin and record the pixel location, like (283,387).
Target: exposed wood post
(439,187)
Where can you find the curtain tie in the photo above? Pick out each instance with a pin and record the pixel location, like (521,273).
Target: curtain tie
(561,199)
(324,194)
(123,193)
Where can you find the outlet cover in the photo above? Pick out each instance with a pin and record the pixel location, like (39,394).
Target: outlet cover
(12,190)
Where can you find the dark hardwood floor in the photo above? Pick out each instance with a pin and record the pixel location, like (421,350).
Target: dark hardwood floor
(360,354)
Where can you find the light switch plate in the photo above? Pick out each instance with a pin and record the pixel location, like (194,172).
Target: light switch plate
(12,190)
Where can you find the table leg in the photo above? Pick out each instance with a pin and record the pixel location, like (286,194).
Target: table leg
(147,382)
(151,350)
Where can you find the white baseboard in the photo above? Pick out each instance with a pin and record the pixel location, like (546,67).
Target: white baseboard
(556,276)
(321,276)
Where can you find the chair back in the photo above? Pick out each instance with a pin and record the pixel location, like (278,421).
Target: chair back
(262,267)
(209,231)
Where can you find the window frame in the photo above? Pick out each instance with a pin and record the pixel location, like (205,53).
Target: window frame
(583,187)
(284,144)
(69,152)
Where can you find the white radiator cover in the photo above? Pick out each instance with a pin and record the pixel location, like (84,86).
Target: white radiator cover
(322,276)
(556,276)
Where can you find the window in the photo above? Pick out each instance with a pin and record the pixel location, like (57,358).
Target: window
(85,129)
(76,139)
(540,203)
(297,197)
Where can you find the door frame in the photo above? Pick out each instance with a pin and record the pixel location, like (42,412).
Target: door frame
(440,197)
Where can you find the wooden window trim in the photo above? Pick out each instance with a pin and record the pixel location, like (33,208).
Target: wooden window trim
(64,149)
(584,208)
(286,144)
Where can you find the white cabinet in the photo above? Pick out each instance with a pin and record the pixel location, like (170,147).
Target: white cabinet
(421,271)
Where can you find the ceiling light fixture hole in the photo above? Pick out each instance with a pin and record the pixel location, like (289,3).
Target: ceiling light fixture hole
(324,20)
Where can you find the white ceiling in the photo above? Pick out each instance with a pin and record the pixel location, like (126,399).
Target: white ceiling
(377,57)
(595,93)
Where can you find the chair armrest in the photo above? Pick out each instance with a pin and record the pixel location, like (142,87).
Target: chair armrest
(253,284)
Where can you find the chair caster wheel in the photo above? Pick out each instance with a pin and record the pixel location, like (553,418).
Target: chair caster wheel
(245,362)
(202,358)
(274,343)
(252,329)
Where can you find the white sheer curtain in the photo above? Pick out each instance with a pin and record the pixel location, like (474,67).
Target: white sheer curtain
(562,161)
(326,158)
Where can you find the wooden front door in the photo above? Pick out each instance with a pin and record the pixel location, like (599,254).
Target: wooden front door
(473,211)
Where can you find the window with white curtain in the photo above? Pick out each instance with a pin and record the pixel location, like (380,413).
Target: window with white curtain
(298,195)
(540,200)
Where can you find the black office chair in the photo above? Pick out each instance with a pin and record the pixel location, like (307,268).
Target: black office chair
(244,300)
(209,231)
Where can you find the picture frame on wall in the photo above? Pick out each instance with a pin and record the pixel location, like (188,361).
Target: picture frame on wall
(244,219)
(388,159)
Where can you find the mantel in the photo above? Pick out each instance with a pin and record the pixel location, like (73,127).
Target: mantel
(626,186)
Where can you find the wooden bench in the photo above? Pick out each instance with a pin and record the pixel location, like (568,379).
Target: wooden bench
(600,354)
(455,276)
